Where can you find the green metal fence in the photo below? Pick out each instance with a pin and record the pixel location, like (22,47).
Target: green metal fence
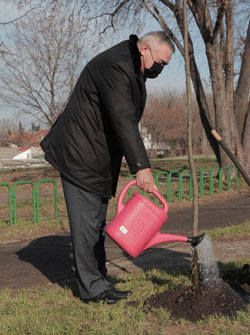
(9,200)
(206,179)
(38,197)
(35,188)
(165,179)
(33,199)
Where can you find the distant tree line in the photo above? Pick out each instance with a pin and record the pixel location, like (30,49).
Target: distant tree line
(165,122)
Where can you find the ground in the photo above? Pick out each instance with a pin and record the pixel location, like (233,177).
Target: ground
(184,302)
(193,304)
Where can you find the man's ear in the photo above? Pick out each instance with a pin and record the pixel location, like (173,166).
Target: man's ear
(143,49)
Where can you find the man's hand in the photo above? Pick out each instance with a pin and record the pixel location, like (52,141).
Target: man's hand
(145,180)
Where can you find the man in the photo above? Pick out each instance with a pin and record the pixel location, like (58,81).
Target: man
(86,144)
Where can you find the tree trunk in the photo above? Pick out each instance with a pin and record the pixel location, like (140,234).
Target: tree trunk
(241,94)
(246,138)
(219,95)
(189,124)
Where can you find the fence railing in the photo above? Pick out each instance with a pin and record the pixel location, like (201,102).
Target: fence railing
(9,201)
(206,178)
(184,177)
(12,199)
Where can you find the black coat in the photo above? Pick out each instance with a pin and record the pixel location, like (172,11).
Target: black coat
(100,122)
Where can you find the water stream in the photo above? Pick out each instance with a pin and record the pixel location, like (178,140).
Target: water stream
(209,271)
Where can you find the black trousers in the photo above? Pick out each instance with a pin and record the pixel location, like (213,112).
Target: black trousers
(87,218)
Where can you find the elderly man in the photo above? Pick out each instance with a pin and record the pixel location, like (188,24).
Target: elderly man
(99,126)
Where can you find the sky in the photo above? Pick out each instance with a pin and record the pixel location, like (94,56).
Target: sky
(172,77)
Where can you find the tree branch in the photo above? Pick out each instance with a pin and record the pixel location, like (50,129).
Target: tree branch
(20,17)
(156,14)
(220,15)
(111,14)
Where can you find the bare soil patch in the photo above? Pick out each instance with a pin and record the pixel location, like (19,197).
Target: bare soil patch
(229,296)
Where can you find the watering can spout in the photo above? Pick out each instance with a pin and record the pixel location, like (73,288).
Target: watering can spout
(195,240)
(162,238)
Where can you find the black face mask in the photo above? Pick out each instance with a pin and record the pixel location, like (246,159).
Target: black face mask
(154,71)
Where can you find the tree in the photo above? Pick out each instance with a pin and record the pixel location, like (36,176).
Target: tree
(41,60)
(7,127)
(215,24)
(34,129)
(165,121)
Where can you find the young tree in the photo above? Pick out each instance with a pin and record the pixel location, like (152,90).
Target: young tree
(42,55)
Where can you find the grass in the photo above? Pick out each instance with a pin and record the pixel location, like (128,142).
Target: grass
(56,311)
(240,230)
(26,229)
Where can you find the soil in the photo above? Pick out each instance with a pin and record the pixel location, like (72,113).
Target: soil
(225,298)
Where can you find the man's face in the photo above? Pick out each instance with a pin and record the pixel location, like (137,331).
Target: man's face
(161,54)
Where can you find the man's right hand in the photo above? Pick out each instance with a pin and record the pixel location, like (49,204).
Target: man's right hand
(145,180)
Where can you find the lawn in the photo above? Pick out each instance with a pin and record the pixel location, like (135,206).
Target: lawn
(43,311)
(54,310)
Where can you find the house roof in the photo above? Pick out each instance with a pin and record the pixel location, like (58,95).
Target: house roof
(23,148)
(9,153)
(31,139)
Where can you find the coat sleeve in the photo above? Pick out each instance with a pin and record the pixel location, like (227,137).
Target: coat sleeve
(116,98)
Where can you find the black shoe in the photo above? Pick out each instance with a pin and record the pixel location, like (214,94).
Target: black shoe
(109,296)
(122,293)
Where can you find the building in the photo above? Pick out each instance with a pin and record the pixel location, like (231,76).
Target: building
(21,157)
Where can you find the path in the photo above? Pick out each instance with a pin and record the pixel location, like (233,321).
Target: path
(48,259)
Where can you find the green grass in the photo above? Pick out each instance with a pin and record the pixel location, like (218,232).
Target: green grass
(242,229)
(56,311)
(26,229)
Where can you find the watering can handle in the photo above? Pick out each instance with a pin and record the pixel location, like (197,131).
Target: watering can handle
(120,205)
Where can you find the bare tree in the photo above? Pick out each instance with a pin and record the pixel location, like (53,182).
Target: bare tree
(7,127)
(165,121)
(213,23)
(43,54)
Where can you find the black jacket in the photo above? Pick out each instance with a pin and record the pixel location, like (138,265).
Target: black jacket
(100,122)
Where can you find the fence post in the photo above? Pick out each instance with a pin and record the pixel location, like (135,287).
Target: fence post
(181,185)
(169,183)
(33,199)
(202,172)
(38,196)
(132,176)
(164,173)
(10,200)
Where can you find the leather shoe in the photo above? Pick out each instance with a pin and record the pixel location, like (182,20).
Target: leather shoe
(121,292)
(109,296)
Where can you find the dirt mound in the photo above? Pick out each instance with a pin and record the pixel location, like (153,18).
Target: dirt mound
(192,304)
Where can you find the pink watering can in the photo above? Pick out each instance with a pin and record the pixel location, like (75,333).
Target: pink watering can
(136,225)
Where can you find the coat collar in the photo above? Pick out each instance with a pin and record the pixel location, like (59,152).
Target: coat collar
(136,57)
(135,54)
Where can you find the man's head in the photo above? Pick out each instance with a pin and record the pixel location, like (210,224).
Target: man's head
(156,49)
